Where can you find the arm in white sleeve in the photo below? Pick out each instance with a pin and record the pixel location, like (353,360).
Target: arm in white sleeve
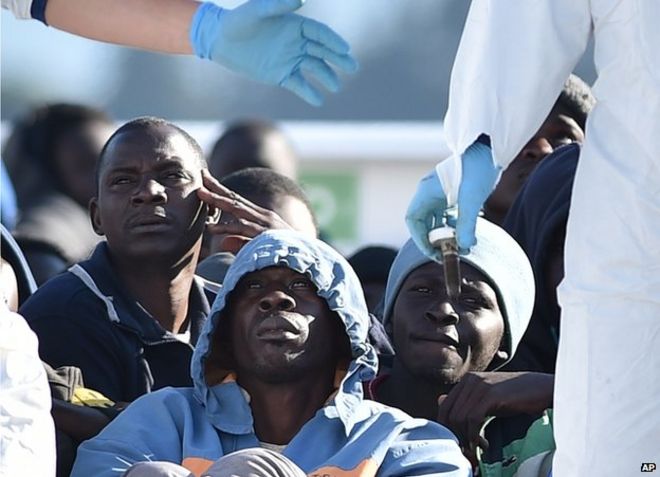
(27,434)
(20,8)
(513,59)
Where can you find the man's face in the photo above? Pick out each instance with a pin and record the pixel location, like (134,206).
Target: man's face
(146,204)
(280,328)
(557,130)
(441,339)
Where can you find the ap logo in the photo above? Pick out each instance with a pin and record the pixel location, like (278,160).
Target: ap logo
(649,467)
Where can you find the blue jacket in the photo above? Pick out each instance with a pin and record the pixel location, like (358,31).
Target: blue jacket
(86,318)
(349,436)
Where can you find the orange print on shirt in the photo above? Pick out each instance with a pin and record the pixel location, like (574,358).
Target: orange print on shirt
(366,468)
(197,465)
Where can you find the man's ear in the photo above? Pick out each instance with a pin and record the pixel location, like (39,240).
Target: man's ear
(95,216)
(498,360)
(213,216)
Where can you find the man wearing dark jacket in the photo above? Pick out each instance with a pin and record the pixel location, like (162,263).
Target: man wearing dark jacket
(537,221)
(130,315)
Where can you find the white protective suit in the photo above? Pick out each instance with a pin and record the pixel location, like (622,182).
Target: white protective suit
(512,62)
(27,433)
(20,8)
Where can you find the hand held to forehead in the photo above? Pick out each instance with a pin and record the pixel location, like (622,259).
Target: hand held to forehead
(240,218)
(266,41)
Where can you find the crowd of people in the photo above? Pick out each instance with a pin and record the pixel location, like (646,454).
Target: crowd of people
(204,316)
(168,314)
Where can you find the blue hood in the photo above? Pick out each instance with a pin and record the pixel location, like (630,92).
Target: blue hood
(337,284)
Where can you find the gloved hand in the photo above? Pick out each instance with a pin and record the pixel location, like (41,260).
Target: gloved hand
(428,208)
(265,41)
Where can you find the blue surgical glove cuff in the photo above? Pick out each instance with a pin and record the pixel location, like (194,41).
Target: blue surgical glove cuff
(479,176)
(204,29)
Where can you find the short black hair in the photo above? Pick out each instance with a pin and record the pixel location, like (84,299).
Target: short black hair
(35,137)
(143,123)
(241,146)
(372,263)
(576,99)
(255,183)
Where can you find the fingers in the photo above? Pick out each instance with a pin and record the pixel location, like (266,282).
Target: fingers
(419,232)
(240,227)
(216,195)
(321,72)
(463,410)
(344,61)
(314,65)
(251,219)
(212,184)
(324,35)
(426,211)
(299,86)
(271,8)
(237,206)
(470,414)
(466,225)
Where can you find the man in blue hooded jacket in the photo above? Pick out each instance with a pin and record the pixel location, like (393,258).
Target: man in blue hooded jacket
(278,368)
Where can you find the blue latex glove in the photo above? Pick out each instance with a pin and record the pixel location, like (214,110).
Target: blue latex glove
(428,208)
(265,41)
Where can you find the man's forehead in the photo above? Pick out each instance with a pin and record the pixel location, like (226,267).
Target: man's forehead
(433,270)
(139,145)
(561,117)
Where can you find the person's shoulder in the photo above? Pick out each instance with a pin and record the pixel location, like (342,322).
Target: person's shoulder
(167,395)
(414,446)
(65,295)
(169,404)
(404,421)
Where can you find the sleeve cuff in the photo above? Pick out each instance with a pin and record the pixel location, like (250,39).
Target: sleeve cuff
(38,10)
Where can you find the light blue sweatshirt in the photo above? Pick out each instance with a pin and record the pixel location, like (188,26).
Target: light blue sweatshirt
(349,437)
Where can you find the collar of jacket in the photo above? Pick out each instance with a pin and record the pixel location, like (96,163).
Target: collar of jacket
(97,274)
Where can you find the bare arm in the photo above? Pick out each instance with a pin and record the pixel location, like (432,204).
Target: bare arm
(264,40)
(158,25)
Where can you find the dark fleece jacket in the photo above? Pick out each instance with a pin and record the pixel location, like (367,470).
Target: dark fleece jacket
(538,214)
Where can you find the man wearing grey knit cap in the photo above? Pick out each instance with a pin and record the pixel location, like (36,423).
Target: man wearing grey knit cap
(448,351)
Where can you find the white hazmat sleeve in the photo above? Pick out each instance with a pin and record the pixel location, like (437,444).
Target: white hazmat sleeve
(20,8)
(512,62)
(27,434)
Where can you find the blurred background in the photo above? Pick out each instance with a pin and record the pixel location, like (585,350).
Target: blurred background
(362,153)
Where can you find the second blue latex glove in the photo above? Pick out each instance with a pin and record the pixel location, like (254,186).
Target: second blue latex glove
(479,177)
(266,41)
(428,208)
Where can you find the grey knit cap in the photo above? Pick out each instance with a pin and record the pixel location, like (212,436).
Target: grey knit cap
(498,256)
